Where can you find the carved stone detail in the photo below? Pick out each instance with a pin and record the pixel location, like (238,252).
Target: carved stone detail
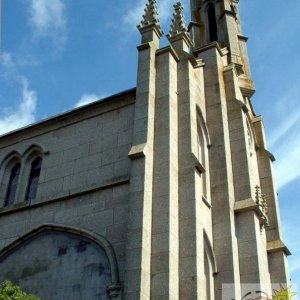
(179,29)
(114,290)
(261,202)
(178,25)
(150,17)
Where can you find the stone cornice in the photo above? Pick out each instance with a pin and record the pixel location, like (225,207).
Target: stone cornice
(277,246)
(151,27)
(68,195)
(196,62)
(242,37)
(249,204)
(168,49)
(181,36)
(137,151)
(144,46)
(222,51)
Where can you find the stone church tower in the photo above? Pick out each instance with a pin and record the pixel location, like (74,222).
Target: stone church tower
(207,197)
(163,192)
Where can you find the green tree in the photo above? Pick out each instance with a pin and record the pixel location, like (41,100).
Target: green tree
(9,291)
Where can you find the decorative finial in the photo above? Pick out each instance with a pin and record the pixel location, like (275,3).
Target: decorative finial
(150,17)
(178,26)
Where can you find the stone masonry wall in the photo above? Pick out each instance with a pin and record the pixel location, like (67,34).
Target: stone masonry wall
(84,180)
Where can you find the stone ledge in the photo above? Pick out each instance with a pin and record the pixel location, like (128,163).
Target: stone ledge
(181,36)
(228,13)
(242,37)
(205,201)
(222,51)
(137,151)
(250,205)
(244,205)
(199,167)
(270,155)
(168,49)
(144,46)
(151,27)
(246,86)
(277,246)
(71,194)
(196,62)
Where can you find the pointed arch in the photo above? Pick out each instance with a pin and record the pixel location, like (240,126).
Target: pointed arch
(33,158)
(99,240)
(203,125)
(13,155)
(33,180)
(10,170)
(210,267)
(210,252)
(34,149)
(12,186)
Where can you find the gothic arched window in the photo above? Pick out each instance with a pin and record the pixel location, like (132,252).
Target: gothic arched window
(212,23)
(33,179)
(202,148)
(13,184)
(210,268)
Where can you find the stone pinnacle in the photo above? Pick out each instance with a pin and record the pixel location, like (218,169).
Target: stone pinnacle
(178,22)
(150,16)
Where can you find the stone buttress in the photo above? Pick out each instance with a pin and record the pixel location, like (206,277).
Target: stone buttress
(203,205)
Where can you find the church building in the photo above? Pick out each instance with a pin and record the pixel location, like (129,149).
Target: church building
(161,192)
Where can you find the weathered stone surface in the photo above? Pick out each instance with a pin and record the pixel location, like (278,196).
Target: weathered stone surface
(64,267)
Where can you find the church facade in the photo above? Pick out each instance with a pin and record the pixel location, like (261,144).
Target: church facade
(164,191)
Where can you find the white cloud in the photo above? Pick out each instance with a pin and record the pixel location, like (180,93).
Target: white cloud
(6,60)
(21,115)
(47,16)
(291,239)
(88,98)
(48,20)
(133,17)
(285,139)
(285,128)
(288,159)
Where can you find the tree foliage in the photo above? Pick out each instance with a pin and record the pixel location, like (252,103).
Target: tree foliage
(9,291)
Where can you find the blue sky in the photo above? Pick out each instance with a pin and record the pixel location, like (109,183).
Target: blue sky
(58,54)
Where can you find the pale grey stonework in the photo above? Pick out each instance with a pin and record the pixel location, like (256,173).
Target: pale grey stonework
(161,192)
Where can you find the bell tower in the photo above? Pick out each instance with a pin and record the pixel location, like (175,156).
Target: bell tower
(203,204)
(240,163)
(219,21)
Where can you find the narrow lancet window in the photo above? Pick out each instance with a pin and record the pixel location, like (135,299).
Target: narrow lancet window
(212,23)
(12,185)
(202,158)
(33,179)
(207,272)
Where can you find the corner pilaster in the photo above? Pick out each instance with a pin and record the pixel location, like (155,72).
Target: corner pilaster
(221,175)
(138,247)
(277,251)
(164,247)
(252,220)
